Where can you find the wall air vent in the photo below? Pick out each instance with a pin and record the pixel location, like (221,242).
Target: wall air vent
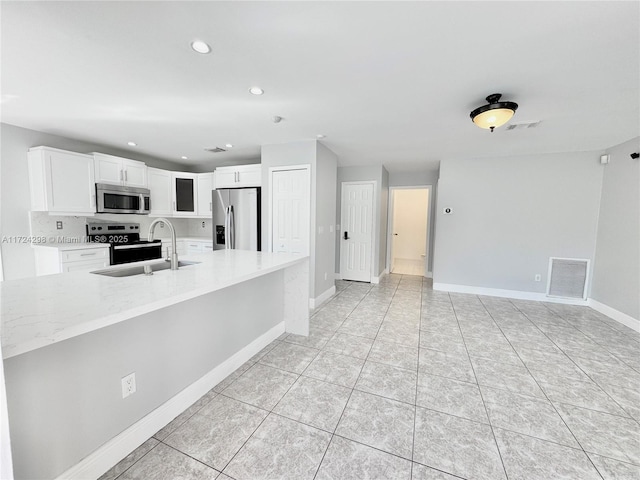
(523,125)
(215,150)
(568,278)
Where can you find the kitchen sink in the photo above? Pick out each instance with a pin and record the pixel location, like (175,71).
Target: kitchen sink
(139,269)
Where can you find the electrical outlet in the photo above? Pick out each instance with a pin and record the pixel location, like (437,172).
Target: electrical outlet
(129,385)
(59,225)
(320,229)
(325,275)
(538,277)
(331,228)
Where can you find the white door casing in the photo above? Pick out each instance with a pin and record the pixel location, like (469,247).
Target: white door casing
(356,235)
(290,209)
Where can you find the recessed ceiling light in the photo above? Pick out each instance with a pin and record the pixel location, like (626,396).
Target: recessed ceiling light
(132,144)
(256,91)
(183,157)
(320,136)
(200,47)
(228,145)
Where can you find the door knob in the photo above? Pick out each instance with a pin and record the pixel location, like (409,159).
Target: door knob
(346,235)
(396,234)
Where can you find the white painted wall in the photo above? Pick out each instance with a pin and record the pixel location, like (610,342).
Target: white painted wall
(18,258)
(616,275)
(511,214)
(410,222)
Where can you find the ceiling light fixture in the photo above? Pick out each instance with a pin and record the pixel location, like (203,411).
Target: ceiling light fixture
(256,91)
(495,114)
(184,158)
(320,136)
(200,47)
(228,145)
(132,144)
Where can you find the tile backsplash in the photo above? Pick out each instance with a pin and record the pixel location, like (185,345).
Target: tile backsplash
(43,224)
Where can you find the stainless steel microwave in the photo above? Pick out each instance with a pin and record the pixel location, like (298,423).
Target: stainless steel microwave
(120,199)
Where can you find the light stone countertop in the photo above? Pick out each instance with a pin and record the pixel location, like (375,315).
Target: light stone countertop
(39,311)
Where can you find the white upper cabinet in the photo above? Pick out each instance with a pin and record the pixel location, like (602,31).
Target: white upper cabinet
(205,189)
(160,187)
(238,176)
(61,182)
(184,191)
(119,171)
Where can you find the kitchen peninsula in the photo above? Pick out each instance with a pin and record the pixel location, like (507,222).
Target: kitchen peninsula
(69,339)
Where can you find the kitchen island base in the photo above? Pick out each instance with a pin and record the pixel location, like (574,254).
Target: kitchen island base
(65,402)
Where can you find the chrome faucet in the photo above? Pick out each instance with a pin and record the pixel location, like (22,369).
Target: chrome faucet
(174,251)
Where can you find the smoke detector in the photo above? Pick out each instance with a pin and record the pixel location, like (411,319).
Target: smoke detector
(215,150)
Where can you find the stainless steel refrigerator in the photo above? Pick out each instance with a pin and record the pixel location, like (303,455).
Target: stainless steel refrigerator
(236,218)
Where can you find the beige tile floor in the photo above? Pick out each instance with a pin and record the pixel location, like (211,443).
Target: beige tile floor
(398,381)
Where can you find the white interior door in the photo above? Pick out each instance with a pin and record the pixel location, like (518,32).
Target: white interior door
(356,244)
(290,211)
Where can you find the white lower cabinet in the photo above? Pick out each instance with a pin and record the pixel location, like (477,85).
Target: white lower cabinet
(52,259)
(199,246)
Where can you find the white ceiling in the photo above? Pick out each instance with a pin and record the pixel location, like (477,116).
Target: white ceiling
(388,83)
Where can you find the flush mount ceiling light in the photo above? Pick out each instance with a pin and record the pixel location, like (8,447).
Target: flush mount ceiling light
(320,136)
(495,114)
(256,91)
(228,145)
(184,158)
(200,47)
(132,144)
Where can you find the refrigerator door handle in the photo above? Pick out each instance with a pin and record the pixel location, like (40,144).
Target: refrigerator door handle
(232,228)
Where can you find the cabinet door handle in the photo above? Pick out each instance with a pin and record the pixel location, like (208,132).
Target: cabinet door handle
(210,206)
(125,176)
(87,254)
(174,206)
(121,176)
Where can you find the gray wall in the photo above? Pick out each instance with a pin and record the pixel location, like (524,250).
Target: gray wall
(511,214)
(419,179)
(65,400)
(323,197)
(384,221)
(18,260)
(616,272)
(326,175)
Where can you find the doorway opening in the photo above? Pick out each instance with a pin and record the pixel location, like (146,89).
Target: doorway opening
(409,230)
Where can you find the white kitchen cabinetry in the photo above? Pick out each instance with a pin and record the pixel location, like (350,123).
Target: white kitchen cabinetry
(160,186)
(76,258)
(238,176)
(119,171)
(205,187)
(61,182)
(167,250)
(198,246)
(184,190)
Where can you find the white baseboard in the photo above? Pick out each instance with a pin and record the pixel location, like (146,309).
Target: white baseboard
(616,315)
(105,457)
(515,294)
(338,276)
(323,297)
(376,280)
